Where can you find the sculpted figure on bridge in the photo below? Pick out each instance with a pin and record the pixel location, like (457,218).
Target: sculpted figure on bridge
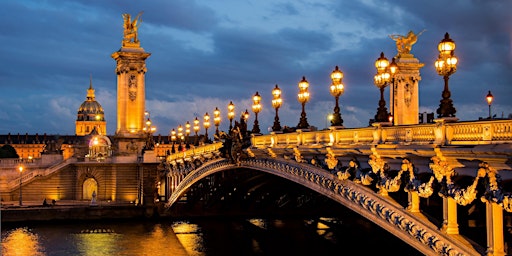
(404,43)
(130,29)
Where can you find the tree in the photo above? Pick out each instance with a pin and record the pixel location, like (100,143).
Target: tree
(8,151)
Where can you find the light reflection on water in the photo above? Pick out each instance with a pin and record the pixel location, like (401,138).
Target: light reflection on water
(21,241)
(198,237)
(104,239)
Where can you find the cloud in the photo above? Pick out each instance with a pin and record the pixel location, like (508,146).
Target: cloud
(205,54)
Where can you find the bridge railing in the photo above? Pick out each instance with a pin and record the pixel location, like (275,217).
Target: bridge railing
(439,133)
(207,148)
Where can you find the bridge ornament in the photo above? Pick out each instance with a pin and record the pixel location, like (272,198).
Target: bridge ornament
(298,155)
(493,192)
(414,185)
(349,191)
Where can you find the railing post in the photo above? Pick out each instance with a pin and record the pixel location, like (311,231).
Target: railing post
(450,225)
(494,226)
(439,132)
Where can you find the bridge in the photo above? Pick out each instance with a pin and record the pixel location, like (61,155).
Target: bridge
(368,170)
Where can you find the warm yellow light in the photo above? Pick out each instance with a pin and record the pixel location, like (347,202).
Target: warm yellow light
(216,116)
(277,101)
(206,122)
(231,110)
(256,107)
(187,128)
(336,75)
(381,63)
(489,98)
(196,125)
(446,45)
(20,168)
(246,115)
(303,84)
(393,67)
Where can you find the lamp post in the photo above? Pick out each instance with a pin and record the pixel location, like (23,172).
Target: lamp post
(446,65)
(337,89)
(385,73)
(196,130)
(243,122)
(206,124)
(276,103)
(149,130)
(216,120)
(303,97)
(173,139)
(489,99)
(231,114)
(187,133)
(256,108)
(180,133)
(20,168)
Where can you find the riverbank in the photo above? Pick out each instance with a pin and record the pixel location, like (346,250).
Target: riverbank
(70,210)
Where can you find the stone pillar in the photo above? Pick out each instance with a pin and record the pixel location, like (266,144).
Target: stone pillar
(450,225)
(404,98)
(130,70)
(494,226)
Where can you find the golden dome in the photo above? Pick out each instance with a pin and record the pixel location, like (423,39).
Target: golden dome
(90,110)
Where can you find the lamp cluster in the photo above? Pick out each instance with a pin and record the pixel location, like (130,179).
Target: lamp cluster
(385,75)
(445,65)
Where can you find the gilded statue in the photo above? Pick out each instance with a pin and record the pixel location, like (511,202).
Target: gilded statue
(404,43)
(130,29)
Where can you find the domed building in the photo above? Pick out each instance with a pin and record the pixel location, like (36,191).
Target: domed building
(90,115)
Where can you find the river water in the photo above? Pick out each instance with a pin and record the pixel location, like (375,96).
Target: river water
(202,236)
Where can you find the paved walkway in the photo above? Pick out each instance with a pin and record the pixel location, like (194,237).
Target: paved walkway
(60,203)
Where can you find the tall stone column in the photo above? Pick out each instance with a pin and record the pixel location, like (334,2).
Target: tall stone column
(130,70)
(404,97)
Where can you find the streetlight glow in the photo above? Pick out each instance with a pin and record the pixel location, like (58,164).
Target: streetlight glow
(276,103)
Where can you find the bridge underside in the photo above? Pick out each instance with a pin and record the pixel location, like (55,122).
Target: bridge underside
(255,190)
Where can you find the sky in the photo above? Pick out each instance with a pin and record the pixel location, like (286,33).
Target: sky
(205,54)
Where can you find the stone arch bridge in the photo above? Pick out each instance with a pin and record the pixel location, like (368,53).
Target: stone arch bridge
(462,164)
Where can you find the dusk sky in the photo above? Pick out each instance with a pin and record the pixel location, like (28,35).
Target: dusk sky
(205,54)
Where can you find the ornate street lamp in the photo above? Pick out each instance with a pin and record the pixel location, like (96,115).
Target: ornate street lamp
(196,130)
(303,97)
(187,133)
(216,120)
(276,103)
(489,99)
(173,139)
(385,73)
(20,168)
(206,124)
(243,121)
(149,130)
(446,65)
(256,108)
(231,114)
(180,133)
(337,89)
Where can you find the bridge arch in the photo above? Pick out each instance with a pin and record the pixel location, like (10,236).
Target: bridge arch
(381,210)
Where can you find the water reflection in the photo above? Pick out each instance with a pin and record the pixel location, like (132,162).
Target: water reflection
(201,237)
(21,241)
(190,237)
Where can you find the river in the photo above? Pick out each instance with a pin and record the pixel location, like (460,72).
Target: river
(202,236)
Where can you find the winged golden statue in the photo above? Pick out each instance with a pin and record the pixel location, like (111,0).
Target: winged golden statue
(130,29)
(404,43)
